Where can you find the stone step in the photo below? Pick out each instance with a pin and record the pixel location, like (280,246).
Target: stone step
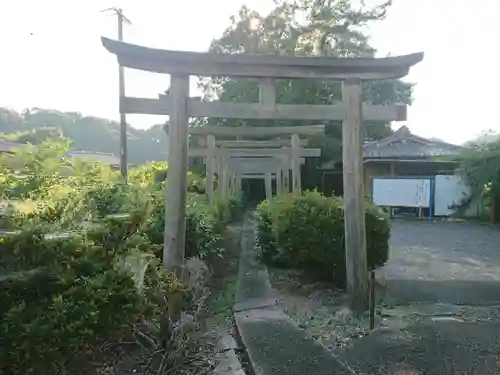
(276,345)
(253,288)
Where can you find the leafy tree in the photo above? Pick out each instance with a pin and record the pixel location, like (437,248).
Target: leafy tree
(480,167)
(483,139)
(304,28)
(32,170)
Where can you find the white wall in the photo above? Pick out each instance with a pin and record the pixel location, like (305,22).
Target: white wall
(452,190)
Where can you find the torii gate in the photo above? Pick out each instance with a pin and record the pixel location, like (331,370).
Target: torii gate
(217,157)
(265,169)
(254,167)
(351,111)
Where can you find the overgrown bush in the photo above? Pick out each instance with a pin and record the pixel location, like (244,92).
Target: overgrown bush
(117,210)
(307,232)
(84,272)
(230,209)
(157,173)
(45,332)
(63,296)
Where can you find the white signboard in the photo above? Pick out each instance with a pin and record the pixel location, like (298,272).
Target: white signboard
(449,191)
(401,192)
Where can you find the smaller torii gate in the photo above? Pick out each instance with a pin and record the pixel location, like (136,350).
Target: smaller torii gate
(286,158)
(255,167)
(266,168)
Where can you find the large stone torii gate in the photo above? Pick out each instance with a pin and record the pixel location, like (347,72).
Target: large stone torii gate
(351,111)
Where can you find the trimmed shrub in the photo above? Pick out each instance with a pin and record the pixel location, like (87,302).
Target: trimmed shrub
(307,232)
(267,248)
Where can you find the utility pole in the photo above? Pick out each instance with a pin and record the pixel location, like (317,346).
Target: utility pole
(121,89)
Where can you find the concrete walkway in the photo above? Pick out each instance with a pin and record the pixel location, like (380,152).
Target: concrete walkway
(274,343)
(445,345)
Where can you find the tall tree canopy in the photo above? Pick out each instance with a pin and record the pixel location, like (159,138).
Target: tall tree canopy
(293,27)
(304,28)
(486,137)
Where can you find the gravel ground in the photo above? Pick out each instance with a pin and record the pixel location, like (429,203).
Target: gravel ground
(318,309)
(440,251)
(322,311)
(443,251)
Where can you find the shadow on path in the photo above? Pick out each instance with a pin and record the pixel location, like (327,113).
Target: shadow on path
(457,292)
(444,348)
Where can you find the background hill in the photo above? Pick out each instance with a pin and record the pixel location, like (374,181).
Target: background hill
(86,132)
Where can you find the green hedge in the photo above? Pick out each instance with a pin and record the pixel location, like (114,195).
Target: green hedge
(307,232)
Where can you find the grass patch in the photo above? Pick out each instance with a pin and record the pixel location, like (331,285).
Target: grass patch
(223,298)
(224,275)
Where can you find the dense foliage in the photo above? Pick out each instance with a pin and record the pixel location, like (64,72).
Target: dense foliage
(480,167)
(306,232)
(82,270)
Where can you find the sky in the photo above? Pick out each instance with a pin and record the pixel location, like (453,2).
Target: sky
(51,55)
